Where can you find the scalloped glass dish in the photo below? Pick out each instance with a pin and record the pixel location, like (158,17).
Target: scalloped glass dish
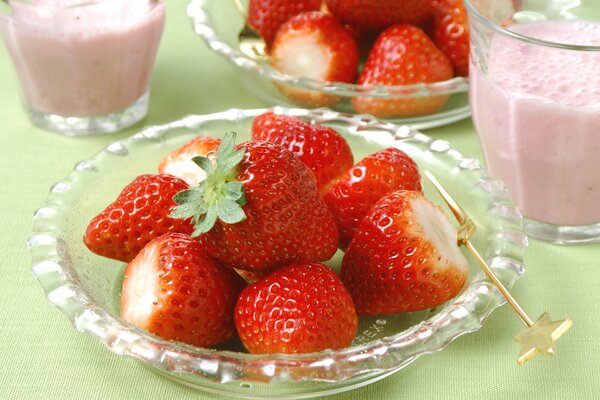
(86,287)
(218,24)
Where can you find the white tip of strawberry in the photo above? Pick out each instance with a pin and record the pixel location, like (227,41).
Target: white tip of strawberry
(435,227)
(303,55)
(185,169)
(140,295)
(179,162)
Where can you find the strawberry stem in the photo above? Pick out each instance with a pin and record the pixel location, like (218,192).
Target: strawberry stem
(219,196)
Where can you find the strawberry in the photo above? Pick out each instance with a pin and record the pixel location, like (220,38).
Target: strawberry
(179,162)
(140,214)
(365,183)
(403,55)
(266,16)
(300,308)
(450,33)
(314,45)
(321,148)
(176,291)
(404,257)
(258,209)
(378,15)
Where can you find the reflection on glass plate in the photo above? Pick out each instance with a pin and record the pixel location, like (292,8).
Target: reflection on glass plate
(86,287)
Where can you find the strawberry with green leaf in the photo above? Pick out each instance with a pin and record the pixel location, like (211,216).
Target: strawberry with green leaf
(258,208)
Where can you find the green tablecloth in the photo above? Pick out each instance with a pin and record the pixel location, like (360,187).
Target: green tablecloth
(44,357)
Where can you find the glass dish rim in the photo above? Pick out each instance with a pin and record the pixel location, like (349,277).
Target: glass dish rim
(474,12)
(62,289)
(204,27)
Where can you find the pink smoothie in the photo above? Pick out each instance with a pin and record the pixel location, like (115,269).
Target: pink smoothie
(85,60)
(537,112)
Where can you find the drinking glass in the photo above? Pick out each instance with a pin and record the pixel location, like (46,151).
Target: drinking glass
(84,66)
(535,99)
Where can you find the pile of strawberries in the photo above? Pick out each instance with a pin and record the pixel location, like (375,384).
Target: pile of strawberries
(401,42)
(228,240)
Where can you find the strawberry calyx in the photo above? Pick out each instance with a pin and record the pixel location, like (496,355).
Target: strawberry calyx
(219,196)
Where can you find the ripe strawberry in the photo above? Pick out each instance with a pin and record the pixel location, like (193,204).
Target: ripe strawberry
(179,162)
(321,148)
(300,308)
(378,15)
(317,46)
(259,208)
(403,55)
(140,214)
(365,183)
(176,291)
(266,16)
(404,257)
(450,33)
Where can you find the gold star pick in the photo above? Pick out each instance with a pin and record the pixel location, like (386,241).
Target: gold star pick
(538,337)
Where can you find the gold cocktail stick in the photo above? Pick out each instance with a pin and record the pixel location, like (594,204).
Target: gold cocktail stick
(250,42)
(539,336)
(240,7)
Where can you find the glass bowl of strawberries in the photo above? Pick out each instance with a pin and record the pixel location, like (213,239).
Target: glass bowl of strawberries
(405,61)
(300,256)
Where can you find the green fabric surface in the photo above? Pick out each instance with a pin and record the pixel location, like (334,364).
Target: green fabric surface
(44,357)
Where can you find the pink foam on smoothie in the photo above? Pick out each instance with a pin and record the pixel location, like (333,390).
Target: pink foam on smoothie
(85,60)
(537,112)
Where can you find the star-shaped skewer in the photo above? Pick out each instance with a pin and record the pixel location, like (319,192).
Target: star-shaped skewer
(538,337)
(541,337)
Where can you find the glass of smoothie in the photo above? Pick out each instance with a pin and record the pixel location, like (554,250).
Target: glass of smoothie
(84,66)
(535,99)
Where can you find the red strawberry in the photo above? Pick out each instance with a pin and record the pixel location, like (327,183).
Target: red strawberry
(378,15)
(299,308)
(321,148)
(317,46)
(367,182)
(259,208)
(404,257)
(140,214)
(266,16)
(450,33)
(179,162)
(403,55)
(176,291)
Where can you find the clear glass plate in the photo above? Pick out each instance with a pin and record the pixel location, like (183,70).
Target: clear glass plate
(218,24)
(86,287)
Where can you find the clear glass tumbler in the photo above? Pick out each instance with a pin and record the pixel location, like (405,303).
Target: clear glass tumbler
(535,99)
(84,66)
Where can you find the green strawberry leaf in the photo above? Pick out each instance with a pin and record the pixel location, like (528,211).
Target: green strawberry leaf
(230,212)
(227,158)
(189,203)
(204,163)
(233,190)
(231,160)
(226,147)
(206,223)
(219,196)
